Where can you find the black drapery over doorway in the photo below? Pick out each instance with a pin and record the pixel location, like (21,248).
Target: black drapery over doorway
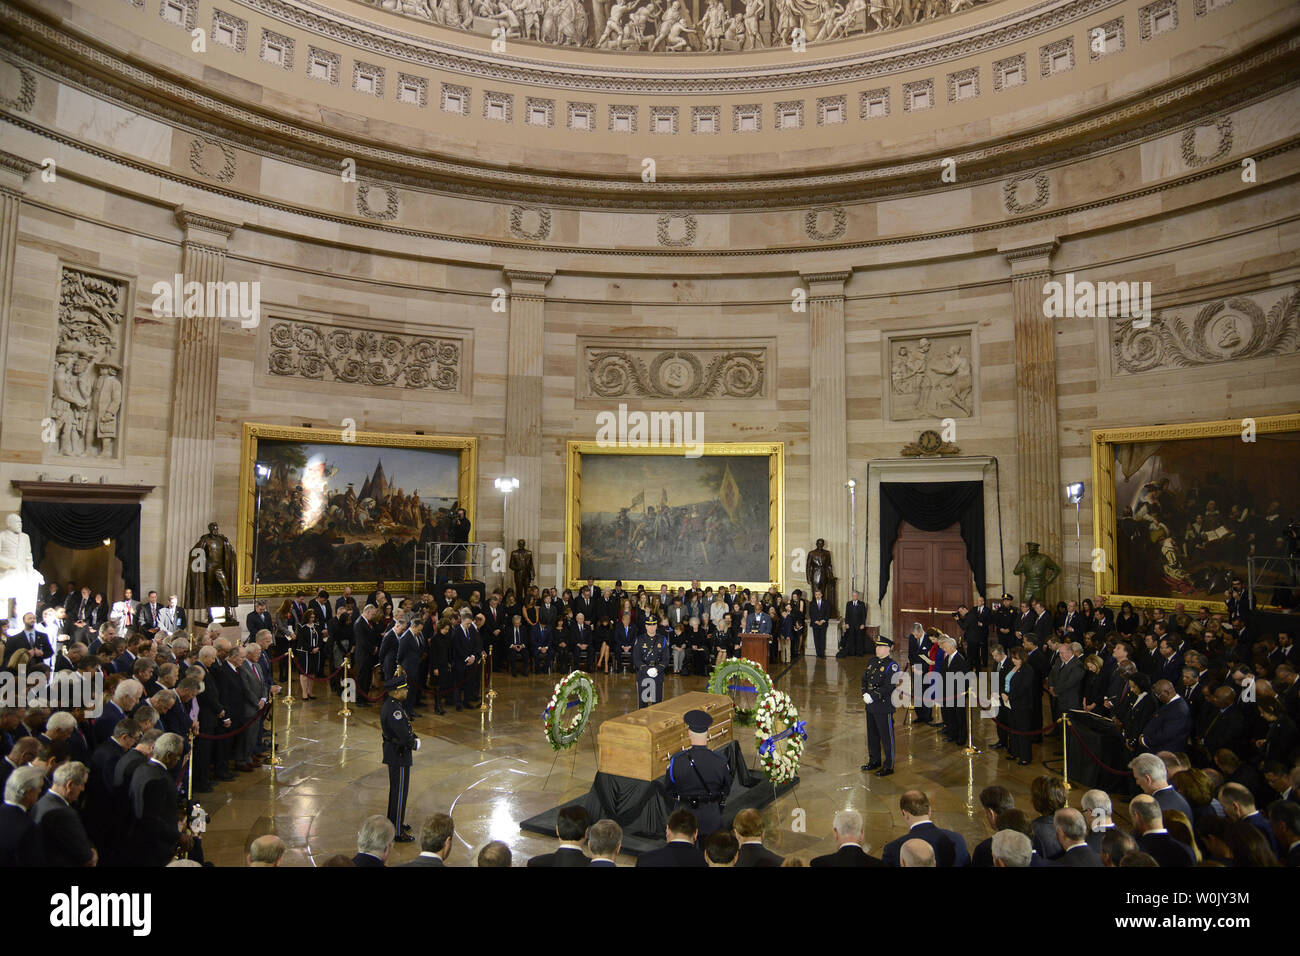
(932,506)
(83,525)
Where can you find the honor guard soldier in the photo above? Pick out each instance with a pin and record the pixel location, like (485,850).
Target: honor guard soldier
(650,657)
(878,695)
(399,742)
(698,778)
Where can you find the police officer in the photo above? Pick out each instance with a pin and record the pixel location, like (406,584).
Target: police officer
(399,742)
(650,657)
(698,778)
(878,695)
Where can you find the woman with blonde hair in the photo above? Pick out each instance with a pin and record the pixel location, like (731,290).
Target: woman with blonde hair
(1180,828)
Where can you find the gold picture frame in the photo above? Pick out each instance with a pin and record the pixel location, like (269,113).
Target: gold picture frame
(773,451)
(467,480)
(1104,514)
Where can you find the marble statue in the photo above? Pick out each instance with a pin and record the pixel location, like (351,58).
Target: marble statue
(19,579)
(521,567)
(1038,570)
(211,579)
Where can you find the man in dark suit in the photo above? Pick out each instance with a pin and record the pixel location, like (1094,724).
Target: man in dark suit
(517,645)
(1285,819)
(1074,625)
(410,650)
(389,644)
(604,841)
(1169,663)
(847,828)
(435,841)
(363,635)
(954,694)
(493,631)
(466,657)
(64,840)
(1066,681)
(1171,725)
(1226,728)
(259,619)
(680,850)
(748,828)
(30,639)
(819,615)
(20,839)
(149,612)
(154,834)
(918,662)
(949,846)
(624,638)
(125,697)
(994,800)
(1043,628)
(1153,838)
(854,641)
(324,611)
(1239,804)
(374,841)
(571,829)
(80,609)
(1002,629)
(1072,834)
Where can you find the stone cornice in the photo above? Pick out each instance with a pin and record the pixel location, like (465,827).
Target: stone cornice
(204,230)
(14,171)
(649,76)
(217,119)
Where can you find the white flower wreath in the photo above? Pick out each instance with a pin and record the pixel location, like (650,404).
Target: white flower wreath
(780,736)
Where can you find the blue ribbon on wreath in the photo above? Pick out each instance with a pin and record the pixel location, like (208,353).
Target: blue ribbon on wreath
(768,746)
(573,703)
(744,687)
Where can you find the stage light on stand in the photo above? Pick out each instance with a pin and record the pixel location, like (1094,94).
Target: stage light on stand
(1074,495)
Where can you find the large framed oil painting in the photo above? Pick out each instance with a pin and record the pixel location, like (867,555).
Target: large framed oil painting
(346,509)
(1180,508)
(654,516)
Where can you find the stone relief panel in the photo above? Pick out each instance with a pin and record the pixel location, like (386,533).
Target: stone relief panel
(717,370)
(670,26)
(86,395)
(931,376)
(320,352)
(1208,333)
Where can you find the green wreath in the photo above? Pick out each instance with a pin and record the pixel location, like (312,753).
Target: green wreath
(569,710)
(738,674)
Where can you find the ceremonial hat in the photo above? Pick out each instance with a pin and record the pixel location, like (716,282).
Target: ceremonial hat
(698,721)
(396,682)
(884,642)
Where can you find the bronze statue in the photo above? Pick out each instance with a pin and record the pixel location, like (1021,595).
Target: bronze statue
(521,566)
(211,579)
(821,576)
(1038,570)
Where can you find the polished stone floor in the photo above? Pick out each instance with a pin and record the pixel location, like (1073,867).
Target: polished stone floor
(493,768)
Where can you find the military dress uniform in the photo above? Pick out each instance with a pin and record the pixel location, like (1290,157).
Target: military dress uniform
(878,685)
(650,653)
(399,743)
(699,779)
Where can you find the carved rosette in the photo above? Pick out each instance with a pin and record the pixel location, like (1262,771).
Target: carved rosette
(360,357)
(676,373)
(1225,330)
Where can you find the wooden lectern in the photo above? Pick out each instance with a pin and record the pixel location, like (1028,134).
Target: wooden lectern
(640,744)
(755,648)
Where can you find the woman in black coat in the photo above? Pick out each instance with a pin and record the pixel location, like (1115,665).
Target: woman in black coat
(307,645)
(1022,695)
(438,637)
(1094,686)
(1126,622)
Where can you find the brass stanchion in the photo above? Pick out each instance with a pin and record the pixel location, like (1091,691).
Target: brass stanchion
(189,770)
(346,712)
(491,689)
(970,750)
(1065,748)
(275,757)
(288,684)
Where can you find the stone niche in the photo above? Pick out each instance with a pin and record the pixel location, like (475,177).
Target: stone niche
(931,376)
(87,395)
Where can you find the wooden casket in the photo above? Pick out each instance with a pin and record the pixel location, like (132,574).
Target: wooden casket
(640,744)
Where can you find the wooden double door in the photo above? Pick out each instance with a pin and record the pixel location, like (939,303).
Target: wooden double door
(930,578)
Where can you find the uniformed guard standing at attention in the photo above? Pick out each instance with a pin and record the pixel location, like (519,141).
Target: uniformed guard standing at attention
(698,778)
(399,743)
(878,695)
(650,657)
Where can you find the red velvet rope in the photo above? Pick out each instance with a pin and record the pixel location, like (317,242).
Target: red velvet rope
(234,733)
(1093,757)
(1029,733)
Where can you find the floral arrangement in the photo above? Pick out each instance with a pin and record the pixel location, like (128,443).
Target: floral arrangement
(779,749)
(739,674)
(575,692)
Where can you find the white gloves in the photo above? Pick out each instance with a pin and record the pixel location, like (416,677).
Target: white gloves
(417,743)
(867,698)
(652,672)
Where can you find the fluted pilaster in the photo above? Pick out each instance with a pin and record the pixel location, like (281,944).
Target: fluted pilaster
(828,445)
(1038,459)
(192,444)
(14,171)
(523,445)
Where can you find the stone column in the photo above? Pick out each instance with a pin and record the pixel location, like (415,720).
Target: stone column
(828,442)
(192,445)
(14,171)
(524,409)
(1039,491)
